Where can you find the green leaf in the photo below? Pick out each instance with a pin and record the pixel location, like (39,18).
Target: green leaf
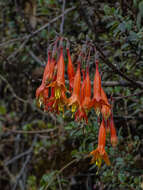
(122,177)
(135,3)
(2,110)
(139,21)
(141,8)
(132,36)
(107,9)
(122,27)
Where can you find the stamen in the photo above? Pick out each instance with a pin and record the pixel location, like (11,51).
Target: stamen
(61,107)
(40,101)
(98,162)
(57,93)
(74,107)
(97,110)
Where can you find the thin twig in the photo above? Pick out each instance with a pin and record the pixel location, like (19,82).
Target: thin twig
(19,49)
(25,163)
(63,17)
(29,36)
(60,171)
(59,182)
(29,132)
(119,83)
(31,53)
(36,31)
(11,176)
(131,95)
(19,156)
(8,42)
(53,20)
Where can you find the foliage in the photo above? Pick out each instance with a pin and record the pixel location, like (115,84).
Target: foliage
(51,152)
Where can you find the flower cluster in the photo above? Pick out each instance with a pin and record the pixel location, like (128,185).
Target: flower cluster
(55,96)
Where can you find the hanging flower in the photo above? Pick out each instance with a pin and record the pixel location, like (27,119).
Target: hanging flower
(81,113)
(99,153)
(97,100)
(74,100)
(52,71)
(70,70)
(114,139)
(59,83)
(106,109)
(41,91)
(87,103)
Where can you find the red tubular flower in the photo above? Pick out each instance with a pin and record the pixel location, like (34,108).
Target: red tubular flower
(47,69)
(81,114)
(86,104)
(41,92)
(52,71)
(70,70)
(55,104)
(97,100)
(74,100)
(105,110)
(99,153)
(59,83)
(114,139)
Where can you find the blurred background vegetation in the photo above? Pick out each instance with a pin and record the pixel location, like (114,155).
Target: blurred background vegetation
(40,151)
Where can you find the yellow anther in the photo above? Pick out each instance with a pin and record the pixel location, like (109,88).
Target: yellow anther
(86,111)
(98,162)
(40,101)
(97,111)
(57,93)
(61,107)
(74,107)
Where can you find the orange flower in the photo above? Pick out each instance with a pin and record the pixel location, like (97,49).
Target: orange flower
(70,71)
(81,113)
(105,110)
(74,100)
(86,104)
(56,105)
(97,100)
(59,83)
(114,139)
(99,153)
(52,71)
(40,94)
(47,69)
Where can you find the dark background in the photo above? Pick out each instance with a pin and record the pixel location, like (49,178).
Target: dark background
(39,150)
